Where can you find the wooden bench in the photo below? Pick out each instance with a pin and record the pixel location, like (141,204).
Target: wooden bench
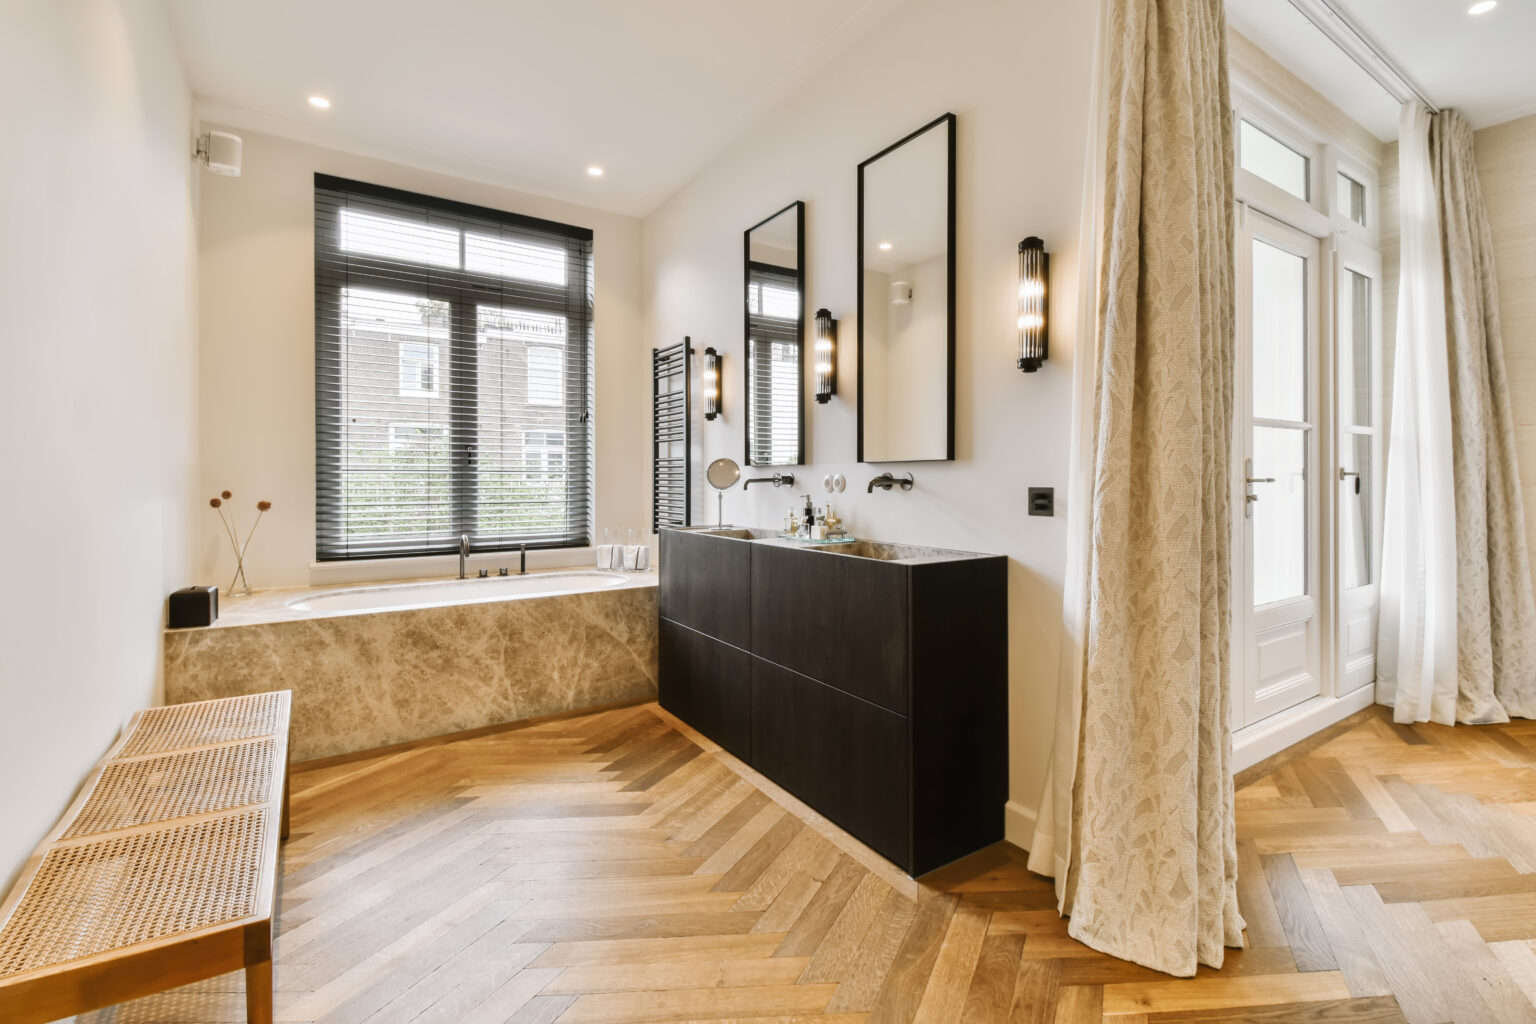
(163,870)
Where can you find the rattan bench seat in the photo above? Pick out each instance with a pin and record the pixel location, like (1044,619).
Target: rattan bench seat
(163,870)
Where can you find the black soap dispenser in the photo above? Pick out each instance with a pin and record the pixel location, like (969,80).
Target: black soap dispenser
(810,515)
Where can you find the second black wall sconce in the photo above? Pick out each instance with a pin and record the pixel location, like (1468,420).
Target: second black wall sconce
(711,383)
(1034,271)
(826,355)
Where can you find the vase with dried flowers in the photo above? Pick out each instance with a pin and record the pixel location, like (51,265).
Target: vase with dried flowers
(238,585)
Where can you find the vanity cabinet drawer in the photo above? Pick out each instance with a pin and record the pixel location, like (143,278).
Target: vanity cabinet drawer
(705,584)
(844,756)
(836,618)
(707,684)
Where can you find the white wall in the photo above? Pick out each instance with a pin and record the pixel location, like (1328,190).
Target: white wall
(1017,75)
(257,259)
(97,390)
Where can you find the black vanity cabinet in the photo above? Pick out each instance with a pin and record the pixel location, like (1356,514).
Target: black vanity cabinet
(704,604)
(873,688)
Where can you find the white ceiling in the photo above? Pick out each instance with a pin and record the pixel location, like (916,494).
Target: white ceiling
(521,93)
(1482,65)
(1284,33)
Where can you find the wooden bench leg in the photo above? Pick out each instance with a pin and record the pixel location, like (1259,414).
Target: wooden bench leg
(282,832)
(258,993)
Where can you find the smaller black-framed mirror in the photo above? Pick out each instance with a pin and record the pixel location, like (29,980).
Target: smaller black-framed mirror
(906,279)
(774,282)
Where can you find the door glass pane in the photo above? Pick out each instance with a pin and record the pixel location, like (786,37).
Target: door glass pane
(1351,199)
(1279,333)
(1280,514)
(1274,161)
(1356,547)
(1355,364)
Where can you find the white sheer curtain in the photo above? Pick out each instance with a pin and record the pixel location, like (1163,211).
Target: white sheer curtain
(1047,854)
(1416,646)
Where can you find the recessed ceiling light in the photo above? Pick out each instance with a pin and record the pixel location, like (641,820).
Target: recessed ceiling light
(320,101)
(885,245)
(1482,6)
(595,171)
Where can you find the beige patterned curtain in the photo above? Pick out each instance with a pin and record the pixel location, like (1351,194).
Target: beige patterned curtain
(1495,611)
(1151,859)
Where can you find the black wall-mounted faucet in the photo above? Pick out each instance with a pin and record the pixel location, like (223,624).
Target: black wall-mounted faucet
(886,481)
(778,480)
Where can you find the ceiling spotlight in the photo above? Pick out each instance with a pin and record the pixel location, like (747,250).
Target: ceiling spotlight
(885,245)
(595,171)
(320,101)
(1482,6)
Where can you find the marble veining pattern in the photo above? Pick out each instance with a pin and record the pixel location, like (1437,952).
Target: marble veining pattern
(370,680)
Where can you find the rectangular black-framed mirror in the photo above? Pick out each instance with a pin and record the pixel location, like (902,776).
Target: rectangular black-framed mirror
(774,282)
(906,280)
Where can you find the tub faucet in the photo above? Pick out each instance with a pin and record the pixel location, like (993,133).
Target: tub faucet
(522,559)
(778,480)
(463,554)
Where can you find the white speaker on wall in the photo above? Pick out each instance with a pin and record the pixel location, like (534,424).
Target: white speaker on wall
(220,152)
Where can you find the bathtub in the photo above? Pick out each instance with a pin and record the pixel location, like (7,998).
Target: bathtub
(375,665)
(403,596)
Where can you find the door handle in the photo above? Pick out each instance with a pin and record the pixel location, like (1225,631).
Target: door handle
(1248,496)
(1344,474)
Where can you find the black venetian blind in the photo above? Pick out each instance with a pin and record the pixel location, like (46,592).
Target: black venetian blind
(453,382)
(773,365)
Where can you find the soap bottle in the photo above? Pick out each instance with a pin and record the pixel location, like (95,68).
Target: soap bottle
(810,516)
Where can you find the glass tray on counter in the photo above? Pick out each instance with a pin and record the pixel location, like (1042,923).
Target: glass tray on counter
(811,540)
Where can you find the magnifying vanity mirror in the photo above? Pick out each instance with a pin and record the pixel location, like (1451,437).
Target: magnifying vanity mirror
(722,475)
(775,338)
(907,298)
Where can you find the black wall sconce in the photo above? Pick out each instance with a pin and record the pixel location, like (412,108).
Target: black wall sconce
(711,383)
(1034,319)
(826,356)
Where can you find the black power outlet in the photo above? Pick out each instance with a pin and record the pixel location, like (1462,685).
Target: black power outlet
(1042,501)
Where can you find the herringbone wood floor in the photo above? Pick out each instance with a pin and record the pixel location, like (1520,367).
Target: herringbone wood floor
(609,868)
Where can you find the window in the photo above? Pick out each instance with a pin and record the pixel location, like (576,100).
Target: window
(773,365)
(417,440)
(418,368)
(453,376)
(1277,163)
(1351,199)
(543,453)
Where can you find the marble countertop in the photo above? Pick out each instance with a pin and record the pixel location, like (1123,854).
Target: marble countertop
(881,551)
(263,606)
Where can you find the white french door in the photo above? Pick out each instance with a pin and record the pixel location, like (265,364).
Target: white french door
(1357,387)
(1280,559)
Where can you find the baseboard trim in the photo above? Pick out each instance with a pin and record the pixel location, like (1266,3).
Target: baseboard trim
(1267,746)
(1019,824)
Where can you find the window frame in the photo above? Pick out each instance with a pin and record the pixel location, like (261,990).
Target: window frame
(457,376)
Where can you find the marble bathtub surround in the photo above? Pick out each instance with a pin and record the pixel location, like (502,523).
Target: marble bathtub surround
(362,680)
